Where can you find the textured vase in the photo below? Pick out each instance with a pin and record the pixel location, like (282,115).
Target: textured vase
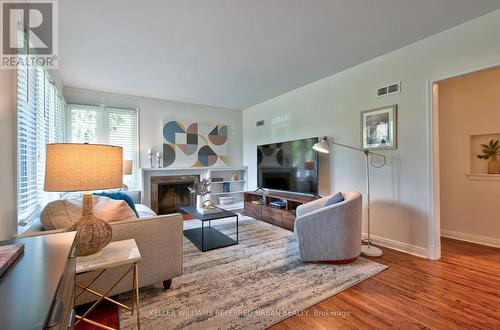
(92,233)
(494,166)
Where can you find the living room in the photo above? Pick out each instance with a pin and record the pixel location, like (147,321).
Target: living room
(288,163)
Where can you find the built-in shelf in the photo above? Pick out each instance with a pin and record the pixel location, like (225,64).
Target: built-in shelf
(229,168)
(484,177)
(234,181)
(229,192)
(231,207)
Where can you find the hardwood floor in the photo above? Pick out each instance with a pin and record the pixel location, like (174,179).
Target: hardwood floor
(460,291)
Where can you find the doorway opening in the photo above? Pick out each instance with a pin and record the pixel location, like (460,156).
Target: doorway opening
(466,159)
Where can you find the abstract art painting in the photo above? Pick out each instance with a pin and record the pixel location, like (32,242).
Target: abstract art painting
(194,144)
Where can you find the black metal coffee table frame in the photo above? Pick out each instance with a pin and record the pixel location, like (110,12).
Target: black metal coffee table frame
(209,238)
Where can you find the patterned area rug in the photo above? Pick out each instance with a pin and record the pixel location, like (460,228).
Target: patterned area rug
(254,284)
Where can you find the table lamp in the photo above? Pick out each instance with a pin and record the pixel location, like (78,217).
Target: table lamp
(85,167)
(127,170)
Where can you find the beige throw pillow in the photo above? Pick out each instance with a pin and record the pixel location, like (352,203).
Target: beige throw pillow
(59,214)
(112,210)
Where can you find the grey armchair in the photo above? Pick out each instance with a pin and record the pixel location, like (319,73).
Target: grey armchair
(331,233)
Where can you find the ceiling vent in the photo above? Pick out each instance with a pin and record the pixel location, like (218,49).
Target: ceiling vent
(389,89)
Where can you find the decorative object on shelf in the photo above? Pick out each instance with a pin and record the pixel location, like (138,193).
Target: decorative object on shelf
(379,128)
(235,176)
(226,187)
(278,204)
(194,144)
(158,161)
(200,189)
(226,200)
(490,152)
(9,254)
(127,170)
(324,147)
(85,167)
(216,179)
(150,155)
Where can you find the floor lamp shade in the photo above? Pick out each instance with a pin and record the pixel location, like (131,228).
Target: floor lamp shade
(83,167)
(322,146)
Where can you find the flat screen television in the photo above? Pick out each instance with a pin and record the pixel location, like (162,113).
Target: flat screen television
(288,166)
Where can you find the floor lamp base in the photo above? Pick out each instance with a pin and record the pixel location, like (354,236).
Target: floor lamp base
(371,251)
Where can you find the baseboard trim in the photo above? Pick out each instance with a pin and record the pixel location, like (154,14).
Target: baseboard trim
(398,246)
(483,240)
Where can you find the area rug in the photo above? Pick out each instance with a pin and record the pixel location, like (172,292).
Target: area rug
(254,284)
(105,313)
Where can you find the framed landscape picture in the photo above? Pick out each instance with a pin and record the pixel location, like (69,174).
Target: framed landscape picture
(379,128)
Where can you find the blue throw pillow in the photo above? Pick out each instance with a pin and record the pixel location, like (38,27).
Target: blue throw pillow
(337,198)
(120,196)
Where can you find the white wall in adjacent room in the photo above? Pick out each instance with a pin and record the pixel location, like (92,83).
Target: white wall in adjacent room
(332,106)
(468,106)
(152,112)
(8,191)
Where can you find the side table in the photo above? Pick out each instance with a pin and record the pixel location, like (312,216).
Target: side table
(115,254)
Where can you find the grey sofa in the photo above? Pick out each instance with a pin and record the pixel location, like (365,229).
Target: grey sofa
(159,239)
(331,233)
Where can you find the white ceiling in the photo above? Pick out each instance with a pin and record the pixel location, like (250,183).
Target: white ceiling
(237,53)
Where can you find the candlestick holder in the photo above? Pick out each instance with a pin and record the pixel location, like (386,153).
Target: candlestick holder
(150,154)
(158,160)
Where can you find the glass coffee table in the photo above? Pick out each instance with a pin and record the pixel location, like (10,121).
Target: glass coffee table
(207,238)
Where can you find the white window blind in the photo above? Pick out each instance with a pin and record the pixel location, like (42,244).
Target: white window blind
(122,131)
(40,120)
(90,124)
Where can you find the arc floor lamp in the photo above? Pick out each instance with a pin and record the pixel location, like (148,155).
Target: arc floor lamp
(323,146)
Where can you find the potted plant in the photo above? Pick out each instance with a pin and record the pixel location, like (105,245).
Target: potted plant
(200,189)
(491,151)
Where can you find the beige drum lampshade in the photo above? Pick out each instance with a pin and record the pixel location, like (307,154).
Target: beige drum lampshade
(127,167)
(83,167)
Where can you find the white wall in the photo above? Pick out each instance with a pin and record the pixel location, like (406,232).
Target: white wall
(332,106)
(152,112)
(8,191)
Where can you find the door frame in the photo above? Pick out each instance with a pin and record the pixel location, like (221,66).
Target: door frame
(434,201)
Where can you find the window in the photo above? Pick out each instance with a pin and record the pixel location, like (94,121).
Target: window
(89,124)
(40,120)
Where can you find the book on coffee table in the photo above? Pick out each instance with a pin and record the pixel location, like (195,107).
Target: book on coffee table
(209,210)
(9,254)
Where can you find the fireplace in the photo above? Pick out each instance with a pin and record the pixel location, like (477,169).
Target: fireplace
(170,193)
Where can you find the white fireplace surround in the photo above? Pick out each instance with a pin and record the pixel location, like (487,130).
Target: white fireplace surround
(203,172)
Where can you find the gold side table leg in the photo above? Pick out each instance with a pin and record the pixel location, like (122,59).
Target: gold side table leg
(136,291)
(84,316)
(133,291)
